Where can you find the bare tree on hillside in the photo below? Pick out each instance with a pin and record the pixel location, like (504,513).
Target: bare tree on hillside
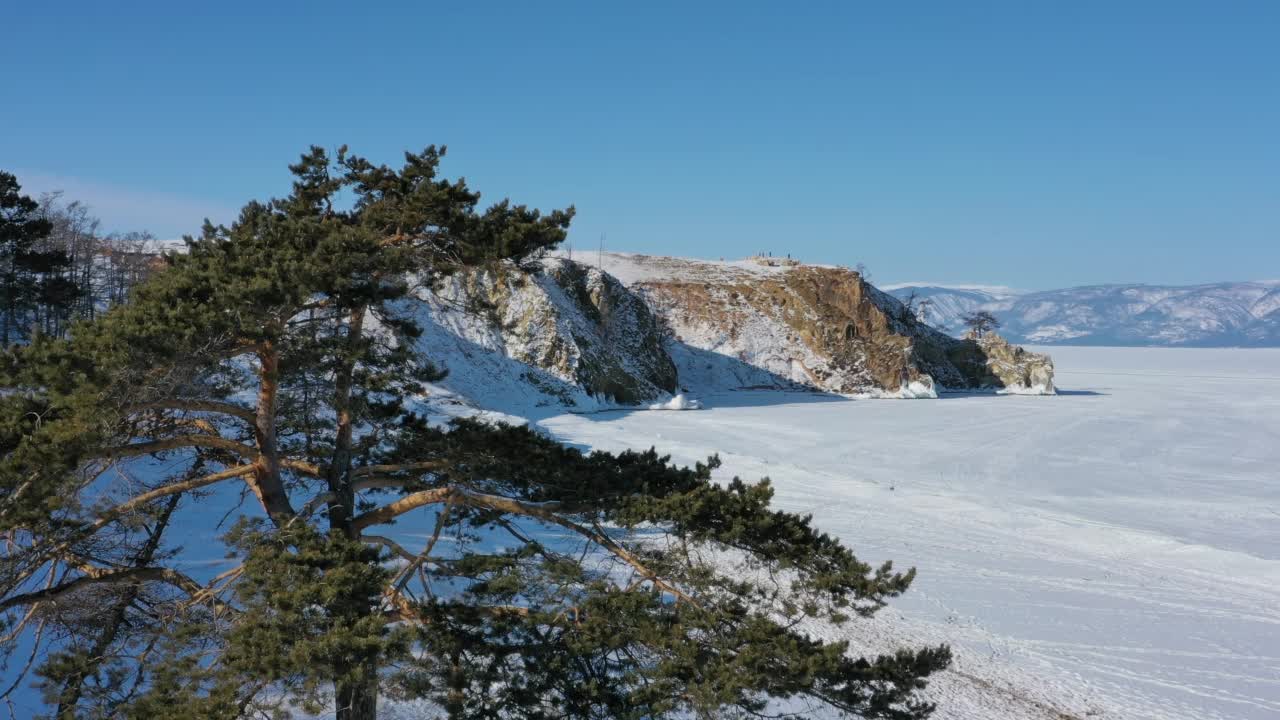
(909,308)
(101,269)
(127,260)
(922,310)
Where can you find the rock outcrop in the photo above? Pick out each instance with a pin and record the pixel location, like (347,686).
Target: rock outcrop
(1012,367)
(568,334)
(572,334)
(820,327)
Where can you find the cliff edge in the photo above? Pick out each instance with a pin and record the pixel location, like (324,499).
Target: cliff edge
(814,326)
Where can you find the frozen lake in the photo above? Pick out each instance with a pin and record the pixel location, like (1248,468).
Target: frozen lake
(1112,552)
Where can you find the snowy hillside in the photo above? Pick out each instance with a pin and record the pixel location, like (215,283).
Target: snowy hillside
(1243,314)
(565,336)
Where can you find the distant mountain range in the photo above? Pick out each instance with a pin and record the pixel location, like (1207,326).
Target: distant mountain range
(1229,314)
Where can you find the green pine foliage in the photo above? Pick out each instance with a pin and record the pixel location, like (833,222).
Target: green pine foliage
(30,276)
(279,355)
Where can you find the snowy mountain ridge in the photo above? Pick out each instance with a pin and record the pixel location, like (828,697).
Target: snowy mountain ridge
(992,290)
(1228,314)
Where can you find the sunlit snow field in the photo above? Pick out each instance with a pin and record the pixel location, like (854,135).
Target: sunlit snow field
(1111,552)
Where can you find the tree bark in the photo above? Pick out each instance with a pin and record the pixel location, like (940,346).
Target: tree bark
(456,700)
(342,508)
(357,698)
(10,291)
(268,485)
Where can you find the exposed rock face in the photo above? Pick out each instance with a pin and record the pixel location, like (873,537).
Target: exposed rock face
(821,327)
(571,334)
(568,327)
(1014,367)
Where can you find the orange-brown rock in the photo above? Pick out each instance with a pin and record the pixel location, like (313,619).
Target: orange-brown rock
(822,327)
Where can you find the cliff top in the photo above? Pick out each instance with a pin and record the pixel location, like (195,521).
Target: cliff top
(633,268)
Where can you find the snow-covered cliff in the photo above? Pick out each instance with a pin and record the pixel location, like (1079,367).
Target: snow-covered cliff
(771,321)
(643,329)
(566,335)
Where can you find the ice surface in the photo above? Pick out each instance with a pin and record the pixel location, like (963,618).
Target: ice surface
(916,390)
(1112,552)
(1023,390)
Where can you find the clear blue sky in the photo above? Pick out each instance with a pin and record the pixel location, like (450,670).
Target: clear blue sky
(1034,144)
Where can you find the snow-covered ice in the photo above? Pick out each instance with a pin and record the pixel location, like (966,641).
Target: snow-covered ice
(1112,552)
(914,390)
(678,402)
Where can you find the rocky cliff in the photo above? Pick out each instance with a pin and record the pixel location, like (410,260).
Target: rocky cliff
(821,327)
(1009,366)
(565,334)
(640,329)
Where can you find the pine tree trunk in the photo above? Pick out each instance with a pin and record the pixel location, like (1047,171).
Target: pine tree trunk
(342,507)
(455,701)
(358,699)
(268,484)
(10,289)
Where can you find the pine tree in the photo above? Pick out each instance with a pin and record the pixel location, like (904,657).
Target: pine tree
(26,273)
(980,322)
(281,354)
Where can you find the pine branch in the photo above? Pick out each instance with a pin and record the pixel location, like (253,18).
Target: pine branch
(419,467)
(391,545)
(302,466)
(399,507)
(545,511)
(100,576)
(397,584)
(181,441)
(166,490)
(542,511)
(213,406)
